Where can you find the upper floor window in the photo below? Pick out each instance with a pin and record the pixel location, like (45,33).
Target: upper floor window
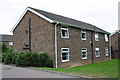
(10,43)
(96,37)
(64,32)
(65,54)
(106,51)
(84,53)
(97,52)
(83,35)
(106,37)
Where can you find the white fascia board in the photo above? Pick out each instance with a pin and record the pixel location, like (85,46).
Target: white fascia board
(29,9)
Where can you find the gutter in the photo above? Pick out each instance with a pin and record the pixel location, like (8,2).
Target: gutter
(56,65)
(76,26)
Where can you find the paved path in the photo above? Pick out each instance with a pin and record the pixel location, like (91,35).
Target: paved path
(17,72)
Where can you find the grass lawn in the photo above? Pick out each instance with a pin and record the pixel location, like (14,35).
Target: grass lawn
(107,69)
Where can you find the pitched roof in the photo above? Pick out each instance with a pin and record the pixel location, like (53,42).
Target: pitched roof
(6,38)
(64,20)
(117,31)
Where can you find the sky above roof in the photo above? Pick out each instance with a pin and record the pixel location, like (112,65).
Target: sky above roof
(101,13)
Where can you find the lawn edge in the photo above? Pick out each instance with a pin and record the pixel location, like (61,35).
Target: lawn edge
(62,73)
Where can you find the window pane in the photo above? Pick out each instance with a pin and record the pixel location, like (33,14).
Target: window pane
(83,36)
(64,33)
(97,53)
(96,37)
(10,43)
(64,56)
(106,37)
(106,51)
(84,53)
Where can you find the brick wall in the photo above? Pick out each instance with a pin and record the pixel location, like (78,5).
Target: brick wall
(42,40)
(75,45)
(115,45)
(42,35)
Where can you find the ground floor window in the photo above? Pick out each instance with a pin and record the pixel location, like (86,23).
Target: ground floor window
(84,53)
(106,51)
(65,54)
(97,52)
(10,43)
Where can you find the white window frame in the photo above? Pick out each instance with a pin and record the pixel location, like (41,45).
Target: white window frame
(64,28)
(81,35)
(82,53)
(10,43)
(96,36)
(106,38)
(65,52)
(97,49)
(106,51)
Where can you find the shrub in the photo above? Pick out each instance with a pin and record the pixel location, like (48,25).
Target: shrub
(9,50)
(34,60)
(14,57)
(4,48)
(18,60)
(27,59)
(0,57)
(42,57)
(4,56)
(8,58)
(49,63)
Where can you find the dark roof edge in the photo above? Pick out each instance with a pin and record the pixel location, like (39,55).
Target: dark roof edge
(117,31)
(76,26)
(52,21)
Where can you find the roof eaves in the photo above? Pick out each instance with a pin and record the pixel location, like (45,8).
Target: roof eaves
(29,9)
(76,26)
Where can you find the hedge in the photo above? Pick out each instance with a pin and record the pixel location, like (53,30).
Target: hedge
(30,59)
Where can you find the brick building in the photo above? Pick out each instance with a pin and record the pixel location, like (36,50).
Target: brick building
(69,42)
(115,44)
(7,39)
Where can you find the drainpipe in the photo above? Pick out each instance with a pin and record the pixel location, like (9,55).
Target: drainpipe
(110,47)
(56,45)
(29,34)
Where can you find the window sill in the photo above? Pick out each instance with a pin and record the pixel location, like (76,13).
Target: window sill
(96,40)
(84,58)
(65,60)
(84,39)
(107,55)
(97,56)
(65,37)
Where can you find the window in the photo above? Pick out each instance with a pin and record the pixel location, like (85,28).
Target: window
(10,43)
(106,51)
(96,37)
(65,54)
(64,32)
(84,53)
(106,37)
(83,36)
(97,52)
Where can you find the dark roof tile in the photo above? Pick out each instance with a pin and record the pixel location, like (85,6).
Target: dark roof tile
(66,20)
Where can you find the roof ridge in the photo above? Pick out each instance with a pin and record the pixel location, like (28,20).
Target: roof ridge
(62,16)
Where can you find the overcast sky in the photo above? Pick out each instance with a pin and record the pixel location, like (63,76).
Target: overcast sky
(101,13)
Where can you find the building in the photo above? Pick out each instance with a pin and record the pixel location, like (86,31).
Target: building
(115,44)
(7,39)
(69,42)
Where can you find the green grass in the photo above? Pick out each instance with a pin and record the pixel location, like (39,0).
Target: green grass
(107,69)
